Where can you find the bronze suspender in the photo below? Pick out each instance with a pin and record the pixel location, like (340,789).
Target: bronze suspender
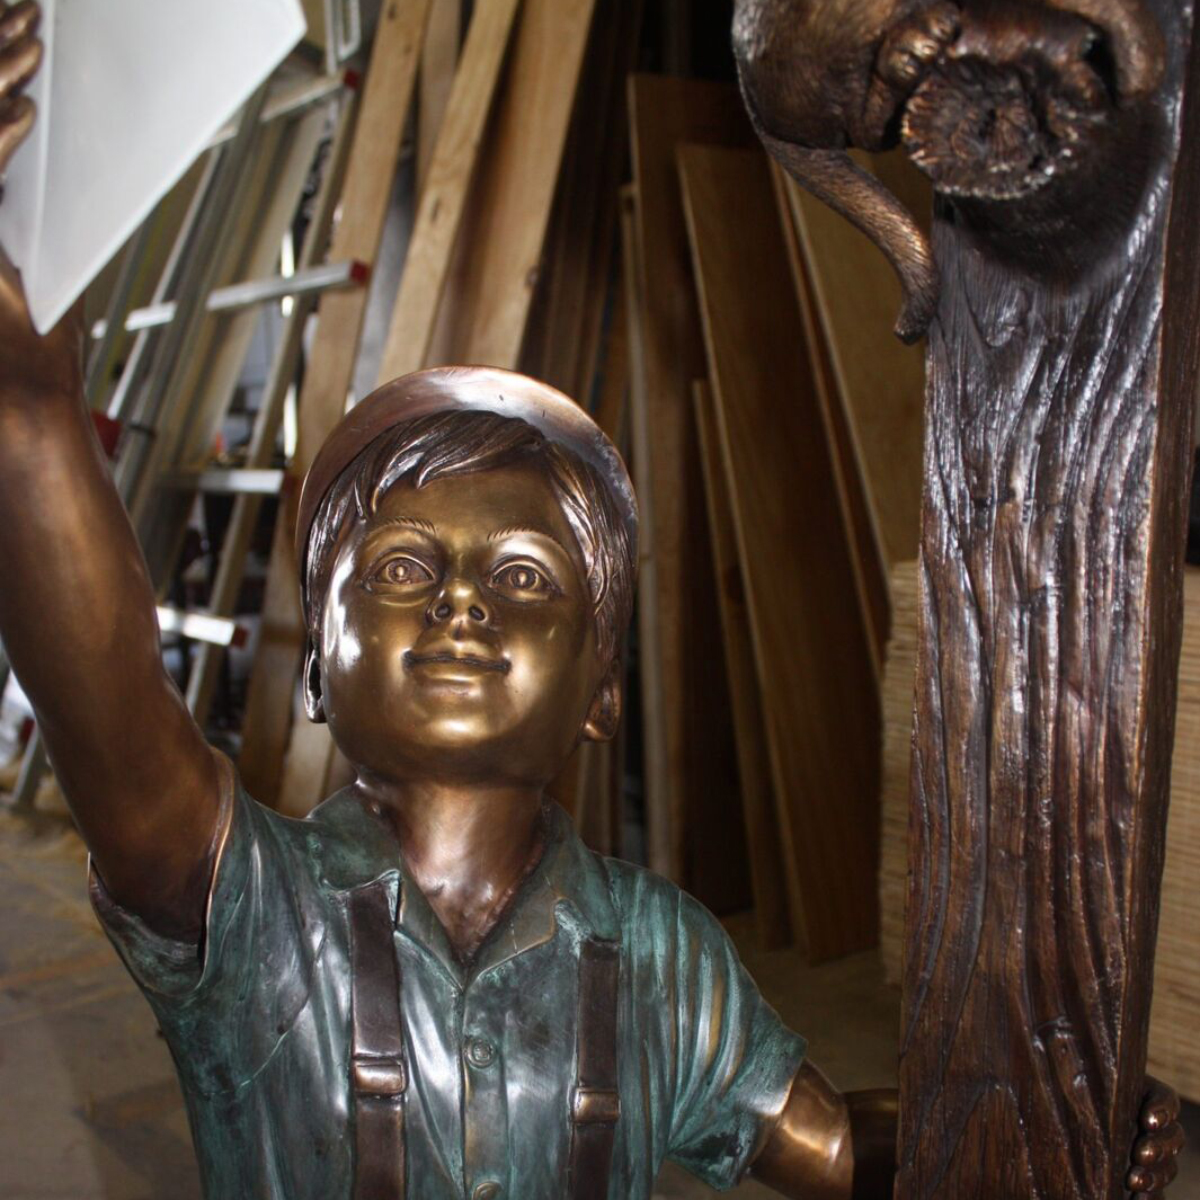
(595,1101)
(377,1051)
(380,1078)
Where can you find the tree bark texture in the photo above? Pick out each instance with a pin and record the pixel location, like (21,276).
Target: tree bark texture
(1056,480)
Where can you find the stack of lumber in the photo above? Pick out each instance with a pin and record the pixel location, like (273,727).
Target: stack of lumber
(498,113)
(749,439)
(705,314)
(1174,1053)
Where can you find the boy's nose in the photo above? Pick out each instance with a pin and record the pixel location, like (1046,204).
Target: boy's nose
(458,598)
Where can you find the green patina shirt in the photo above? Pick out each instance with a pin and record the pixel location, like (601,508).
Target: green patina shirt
(258,1021)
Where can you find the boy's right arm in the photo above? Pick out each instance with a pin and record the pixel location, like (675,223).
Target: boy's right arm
(77,612)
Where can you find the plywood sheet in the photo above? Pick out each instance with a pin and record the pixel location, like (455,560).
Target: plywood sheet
(882,381)
(562,343)
(811,648)
(690,757)
(438,61)
(444,197)
(854,492)
(776,887)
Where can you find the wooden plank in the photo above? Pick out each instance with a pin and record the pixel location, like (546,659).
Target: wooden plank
(654,719)
(689,750)
(438,61)
(260,452)
(810,645)
(283,167)
(1057,461)
(870,565)
(899,675)
(776,887)
(880,380)
(443,202)
(384,111)
(595,774)
(612,393)
(562,343)
(510,208)
(251,198)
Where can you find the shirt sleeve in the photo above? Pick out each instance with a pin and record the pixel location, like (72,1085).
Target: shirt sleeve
(236,991)
(736,1058)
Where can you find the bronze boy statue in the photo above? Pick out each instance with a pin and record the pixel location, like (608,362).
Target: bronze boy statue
(429,988)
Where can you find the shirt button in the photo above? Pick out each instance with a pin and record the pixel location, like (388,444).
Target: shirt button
(486,1191)
(481,1053)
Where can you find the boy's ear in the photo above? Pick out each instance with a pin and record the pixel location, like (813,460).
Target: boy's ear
(313,706)
(604,714)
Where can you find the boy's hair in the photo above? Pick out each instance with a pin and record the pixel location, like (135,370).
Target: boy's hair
(459,443)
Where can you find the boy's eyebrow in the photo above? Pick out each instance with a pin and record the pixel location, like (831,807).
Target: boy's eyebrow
(413,522)
(509,529)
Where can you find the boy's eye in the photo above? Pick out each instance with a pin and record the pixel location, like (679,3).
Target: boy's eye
(400,569)
(522,579)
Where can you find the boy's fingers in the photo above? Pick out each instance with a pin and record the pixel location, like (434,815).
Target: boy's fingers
(1159,1146)
(1147,1183)
(18,65)
(1161,1105)
(14,128)
(18,22)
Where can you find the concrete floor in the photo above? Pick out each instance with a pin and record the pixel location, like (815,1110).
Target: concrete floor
(91,1110)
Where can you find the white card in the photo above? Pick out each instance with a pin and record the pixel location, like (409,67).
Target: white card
(129,94)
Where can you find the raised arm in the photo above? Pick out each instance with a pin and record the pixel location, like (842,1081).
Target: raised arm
(77,613)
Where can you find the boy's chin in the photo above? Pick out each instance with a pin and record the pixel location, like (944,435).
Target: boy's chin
(446,751)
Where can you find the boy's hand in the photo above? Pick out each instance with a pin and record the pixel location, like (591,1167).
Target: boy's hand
(20,56)
(1158,1144)
(29,365)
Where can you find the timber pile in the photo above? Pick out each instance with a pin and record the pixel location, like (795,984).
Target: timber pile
(1174,1054)
(748,444)
(703,312)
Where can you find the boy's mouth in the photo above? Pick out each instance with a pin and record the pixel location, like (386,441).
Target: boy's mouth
(449,658)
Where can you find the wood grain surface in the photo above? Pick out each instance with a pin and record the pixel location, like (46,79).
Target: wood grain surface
(566,325)
(854,490)
(775,886)
(811,646)
(1173,1053)
(208,657)
(1056,471)
(439,58)
(879,380)
(387,94)
(510,211)
(690,757)
(443,199)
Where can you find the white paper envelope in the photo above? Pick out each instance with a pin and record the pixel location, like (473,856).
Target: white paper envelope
(129,93)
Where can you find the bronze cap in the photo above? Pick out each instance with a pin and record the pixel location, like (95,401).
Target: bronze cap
(488,389)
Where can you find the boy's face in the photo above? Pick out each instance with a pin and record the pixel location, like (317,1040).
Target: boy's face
(458,635)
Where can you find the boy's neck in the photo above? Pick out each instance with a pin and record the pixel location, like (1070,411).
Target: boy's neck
(467,847)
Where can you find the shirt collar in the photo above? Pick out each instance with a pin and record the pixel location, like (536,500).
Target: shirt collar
(354,847)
